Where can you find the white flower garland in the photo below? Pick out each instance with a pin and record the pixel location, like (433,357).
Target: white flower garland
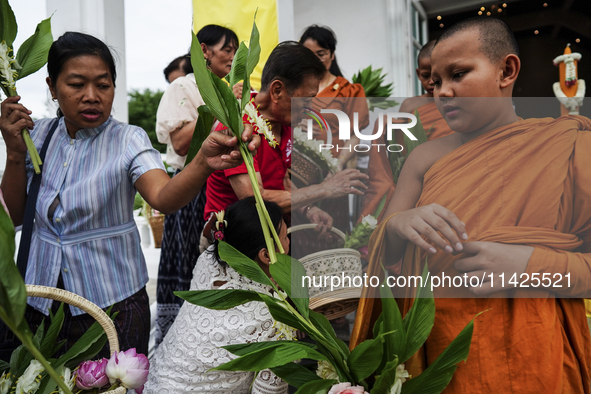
(301,138)
(259,124)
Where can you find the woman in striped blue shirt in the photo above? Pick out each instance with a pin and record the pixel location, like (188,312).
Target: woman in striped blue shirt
(85,239)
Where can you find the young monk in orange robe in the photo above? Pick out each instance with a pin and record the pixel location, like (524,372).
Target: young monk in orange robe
(500,196)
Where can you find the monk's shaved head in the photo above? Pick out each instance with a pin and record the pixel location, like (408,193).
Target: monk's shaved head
(427,49)
(496,38)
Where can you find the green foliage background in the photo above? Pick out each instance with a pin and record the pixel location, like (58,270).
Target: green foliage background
(142,107)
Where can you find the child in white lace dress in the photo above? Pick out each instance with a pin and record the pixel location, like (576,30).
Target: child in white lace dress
(192,346)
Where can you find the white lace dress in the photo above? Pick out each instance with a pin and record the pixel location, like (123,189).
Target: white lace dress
(192,346)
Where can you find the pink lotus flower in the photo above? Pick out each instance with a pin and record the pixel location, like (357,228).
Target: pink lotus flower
(345,388)
(129,368)
(91,374)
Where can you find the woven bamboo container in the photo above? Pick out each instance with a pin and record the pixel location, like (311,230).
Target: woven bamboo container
(157,225)
(93,310)
(342,262)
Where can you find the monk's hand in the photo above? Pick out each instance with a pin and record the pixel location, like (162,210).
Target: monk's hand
(221,151)
(438,224)
(344,182)
(483,259)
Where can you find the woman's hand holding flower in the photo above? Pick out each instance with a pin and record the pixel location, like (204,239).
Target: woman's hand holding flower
(14,117)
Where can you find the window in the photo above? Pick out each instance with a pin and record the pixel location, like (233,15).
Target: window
(419,37)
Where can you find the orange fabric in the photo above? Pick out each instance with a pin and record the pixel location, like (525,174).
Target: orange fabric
(431,117)
(527,183)
(340,88)
(381,180)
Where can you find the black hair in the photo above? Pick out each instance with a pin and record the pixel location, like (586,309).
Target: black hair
(496,38)
(290,62)
(180,63)
(426,50)
(326,38)
(74,44)
(244,230)
(212,34)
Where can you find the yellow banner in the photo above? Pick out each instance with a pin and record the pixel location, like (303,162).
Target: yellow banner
(238,15)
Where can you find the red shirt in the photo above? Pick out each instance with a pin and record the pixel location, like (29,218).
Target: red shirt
(272,163)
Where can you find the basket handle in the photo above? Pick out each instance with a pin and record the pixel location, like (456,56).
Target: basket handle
(311,226)
(79,302)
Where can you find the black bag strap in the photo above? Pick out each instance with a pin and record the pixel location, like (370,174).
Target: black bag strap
(27,230)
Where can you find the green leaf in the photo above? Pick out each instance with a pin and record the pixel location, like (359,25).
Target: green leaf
(252,59)
(242,349)
(288,271)
(17,366)
(323,325)
(89,353)
(295,374)
(386,379)
(205,121)
(218,299)
(242,264)
(95,334)
(238,65)
(316,387)
(277,354)
(32,54)
(380,206)
(419,320)
(4,366)
(438,375)
(230,105)
(366,358)
(281,314)
(13,294)
(395,343)
(206,87)
(39,334)
(8,27)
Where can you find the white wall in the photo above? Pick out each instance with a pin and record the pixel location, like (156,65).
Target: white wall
(369,32)
(103,19)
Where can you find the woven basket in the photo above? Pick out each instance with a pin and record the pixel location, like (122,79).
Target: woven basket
(157,225)
(341,262)
(304,170)
(93,310)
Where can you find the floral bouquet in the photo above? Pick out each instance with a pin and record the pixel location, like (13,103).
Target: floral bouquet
(33,366)
(31,56)
(376,365)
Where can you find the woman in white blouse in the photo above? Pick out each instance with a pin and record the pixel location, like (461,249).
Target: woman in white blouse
(193,343)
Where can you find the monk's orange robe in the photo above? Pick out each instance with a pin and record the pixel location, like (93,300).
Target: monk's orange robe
(432,120)
(528,183)
(325,99)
